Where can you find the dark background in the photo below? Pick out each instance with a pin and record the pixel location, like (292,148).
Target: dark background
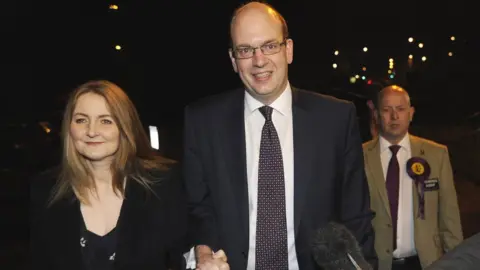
(174,52)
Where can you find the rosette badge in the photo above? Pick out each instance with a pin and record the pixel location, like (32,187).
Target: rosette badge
(419,170)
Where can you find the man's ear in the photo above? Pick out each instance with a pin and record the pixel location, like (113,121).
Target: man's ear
(234,63)
(376,115)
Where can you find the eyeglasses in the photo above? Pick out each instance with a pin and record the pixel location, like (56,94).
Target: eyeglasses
(267,49)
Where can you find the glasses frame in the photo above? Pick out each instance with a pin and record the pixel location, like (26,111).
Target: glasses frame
(254,49)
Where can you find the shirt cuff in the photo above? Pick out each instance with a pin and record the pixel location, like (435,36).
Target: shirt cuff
(190,259)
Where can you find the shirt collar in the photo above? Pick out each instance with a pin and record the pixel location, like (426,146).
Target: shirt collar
(404,143)
(283,104)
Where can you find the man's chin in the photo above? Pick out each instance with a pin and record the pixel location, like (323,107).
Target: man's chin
(261,92)
(395,135)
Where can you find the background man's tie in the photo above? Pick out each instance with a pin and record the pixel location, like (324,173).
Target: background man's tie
(393,184)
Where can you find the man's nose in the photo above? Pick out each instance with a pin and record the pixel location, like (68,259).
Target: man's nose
(394,115)
(259,59)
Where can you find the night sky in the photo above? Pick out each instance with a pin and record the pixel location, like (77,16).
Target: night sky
(174,52)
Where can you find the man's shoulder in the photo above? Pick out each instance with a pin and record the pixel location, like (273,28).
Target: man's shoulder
(431,145)
(369,144)
(216,101)
(310,99)
(46,178)
(463,256)
(42,185)
(426,143)
(316,98)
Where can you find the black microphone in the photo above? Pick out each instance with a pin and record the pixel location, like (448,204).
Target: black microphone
(335,248)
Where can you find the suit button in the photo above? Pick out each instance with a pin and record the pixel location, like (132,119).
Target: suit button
(388,251)
(389,225)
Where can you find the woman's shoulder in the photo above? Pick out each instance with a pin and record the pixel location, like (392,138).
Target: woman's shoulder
(162,169)
(42,186)
(165,176)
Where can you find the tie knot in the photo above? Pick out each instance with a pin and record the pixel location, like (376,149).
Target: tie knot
(394,149)
(267,112)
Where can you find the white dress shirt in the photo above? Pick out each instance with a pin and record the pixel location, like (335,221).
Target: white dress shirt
(405,234)
(254,121)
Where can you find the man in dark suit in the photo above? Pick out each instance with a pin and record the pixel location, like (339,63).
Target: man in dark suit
(268,164)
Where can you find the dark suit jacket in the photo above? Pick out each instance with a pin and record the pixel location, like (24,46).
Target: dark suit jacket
(329,185)
(151,230)
(465,256)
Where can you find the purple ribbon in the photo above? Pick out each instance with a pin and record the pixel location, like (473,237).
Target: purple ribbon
(419,180)
(421,200)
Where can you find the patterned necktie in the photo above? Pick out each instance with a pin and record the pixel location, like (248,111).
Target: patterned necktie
(393,184)
(271,251)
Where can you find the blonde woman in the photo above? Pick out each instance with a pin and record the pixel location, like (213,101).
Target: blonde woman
(113,203)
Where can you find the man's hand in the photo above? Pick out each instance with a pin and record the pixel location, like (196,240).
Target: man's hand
(209,260)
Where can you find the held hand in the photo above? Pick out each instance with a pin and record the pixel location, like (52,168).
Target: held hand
(220,255)
(217,261)
(213,264)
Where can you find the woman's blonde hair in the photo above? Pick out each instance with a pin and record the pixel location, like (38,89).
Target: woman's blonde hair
(134,158)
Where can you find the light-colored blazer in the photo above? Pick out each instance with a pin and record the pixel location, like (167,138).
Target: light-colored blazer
(441,229)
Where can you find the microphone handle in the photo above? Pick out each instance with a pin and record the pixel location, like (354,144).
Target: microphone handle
(354,262)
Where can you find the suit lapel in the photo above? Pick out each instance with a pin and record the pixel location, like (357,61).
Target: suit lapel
(234,148)
(374,164)
(303,142)
(66,226)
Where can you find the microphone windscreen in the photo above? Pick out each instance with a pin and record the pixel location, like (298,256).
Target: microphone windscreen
(330,246)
